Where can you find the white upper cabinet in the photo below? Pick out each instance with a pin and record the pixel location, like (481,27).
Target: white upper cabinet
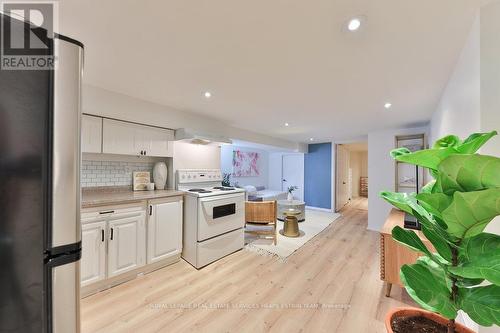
(91,134)
(125,138)
(119,137)
(157,141)
(164,229)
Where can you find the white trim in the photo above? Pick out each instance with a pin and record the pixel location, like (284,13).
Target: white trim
(320,209)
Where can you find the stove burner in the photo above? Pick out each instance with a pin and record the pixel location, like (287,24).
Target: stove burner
(199,190)
(223,188)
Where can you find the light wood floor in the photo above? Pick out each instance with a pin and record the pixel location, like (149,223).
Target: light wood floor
(339,269)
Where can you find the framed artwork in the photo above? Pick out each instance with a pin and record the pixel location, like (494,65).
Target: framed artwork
(245,164)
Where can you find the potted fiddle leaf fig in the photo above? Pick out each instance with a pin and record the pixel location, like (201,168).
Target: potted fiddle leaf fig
(462,272)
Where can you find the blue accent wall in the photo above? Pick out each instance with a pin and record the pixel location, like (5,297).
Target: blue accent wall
(318,176)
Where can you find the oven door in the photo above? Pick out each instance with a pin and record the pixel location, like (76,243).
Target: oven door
(220,214)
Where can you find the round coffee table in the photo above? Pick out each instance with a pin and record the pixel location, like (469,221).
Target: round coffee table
(292,204)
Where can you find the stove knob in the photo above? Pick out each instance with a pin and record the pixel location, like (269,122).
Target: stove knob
(189,177)
(183,176)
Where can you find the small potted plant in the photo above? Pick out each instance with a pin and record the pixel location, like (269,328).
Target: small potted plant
(290,191)
(463,273)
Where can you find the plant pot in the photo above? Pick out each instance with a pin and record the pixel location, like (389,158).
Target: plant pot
(414,312)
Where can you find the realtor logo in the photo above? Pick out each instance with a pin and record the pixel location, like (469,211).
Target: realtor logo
(27,46)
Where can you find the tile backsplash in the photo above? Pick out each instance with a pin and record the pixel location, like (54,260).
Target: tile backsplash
(111,173)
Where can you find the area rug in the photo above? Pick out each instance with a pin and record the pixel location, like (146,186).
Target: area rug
(316,221)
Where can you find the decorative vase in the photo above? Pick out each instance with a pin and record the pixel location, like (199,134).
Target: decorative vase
(290,196)
(160,175)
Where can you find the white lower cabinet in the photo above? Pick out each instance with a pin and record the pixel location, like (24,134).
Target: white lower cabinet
(93,262)
(126,244)
(127,238)
(164,229)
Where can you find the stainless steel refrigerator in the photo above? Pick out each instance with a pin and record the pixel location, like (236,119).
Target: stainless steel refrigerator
(40,232)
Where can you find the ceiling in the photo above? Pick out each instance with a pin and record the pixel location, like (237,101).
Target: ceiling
(270,62)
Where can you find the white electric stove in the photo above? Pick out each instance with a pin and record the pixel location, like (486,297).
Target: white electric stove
(214,216)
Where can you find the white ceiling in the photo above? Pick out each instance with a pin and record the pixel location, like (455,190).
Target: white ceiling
(268,62)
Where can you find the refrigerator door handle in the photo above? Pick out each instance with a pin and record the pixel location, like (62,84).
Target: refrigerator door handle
(65,227)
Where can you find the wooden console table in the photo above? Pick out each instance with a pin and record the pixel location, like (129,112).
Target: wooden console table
(393,255)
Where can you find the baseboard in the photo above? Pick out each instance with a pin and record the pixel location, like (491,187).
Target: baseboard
(320,209)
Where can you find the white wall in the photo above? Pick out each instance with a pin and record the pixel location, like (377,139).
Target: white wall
(381,170)
(276,173)
(459,108)
(490,83)
(262,164)
(490,93)
(101,102)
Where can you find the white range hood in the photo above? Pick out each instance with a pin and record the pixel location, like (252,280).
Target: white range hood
(199,137)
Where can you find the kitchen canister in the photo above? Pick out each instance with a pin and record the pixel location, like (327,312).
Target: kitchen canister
(160,175)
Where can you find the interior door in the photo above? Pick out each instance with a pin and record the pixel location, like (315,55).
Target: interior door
(342,181)
(164,230)
(93,263)
(293,174)
(126,244)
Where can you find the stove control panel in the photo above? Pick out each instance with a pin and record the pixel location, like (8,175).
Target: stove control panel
(185,176)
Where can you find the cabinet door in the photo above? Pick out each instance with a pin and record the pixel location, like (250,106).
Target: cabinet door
(121,138)
(164,230)
(93,263)
(157,142)
(91,134)
(126,244)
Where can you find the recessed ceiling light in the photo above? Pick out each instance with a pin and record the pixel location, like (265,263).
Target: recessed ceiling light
(387,105)
(354,24)
(311,139)
(207,94)
(287,124)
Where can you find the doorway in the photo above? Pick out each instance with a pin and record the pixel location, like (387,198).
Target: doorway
(351,173)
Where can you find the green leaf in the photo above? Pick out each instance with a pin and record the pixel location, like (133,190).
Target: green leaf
(479,258)
(447,141)
(467,173)
(482,304)
(434,203)
(429,187)
(407,203)
(429,158)
(399,152)
(410,239)
(439,242)
(470,212)
(398,200)
(474,142)
(428,285)
(466,282)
